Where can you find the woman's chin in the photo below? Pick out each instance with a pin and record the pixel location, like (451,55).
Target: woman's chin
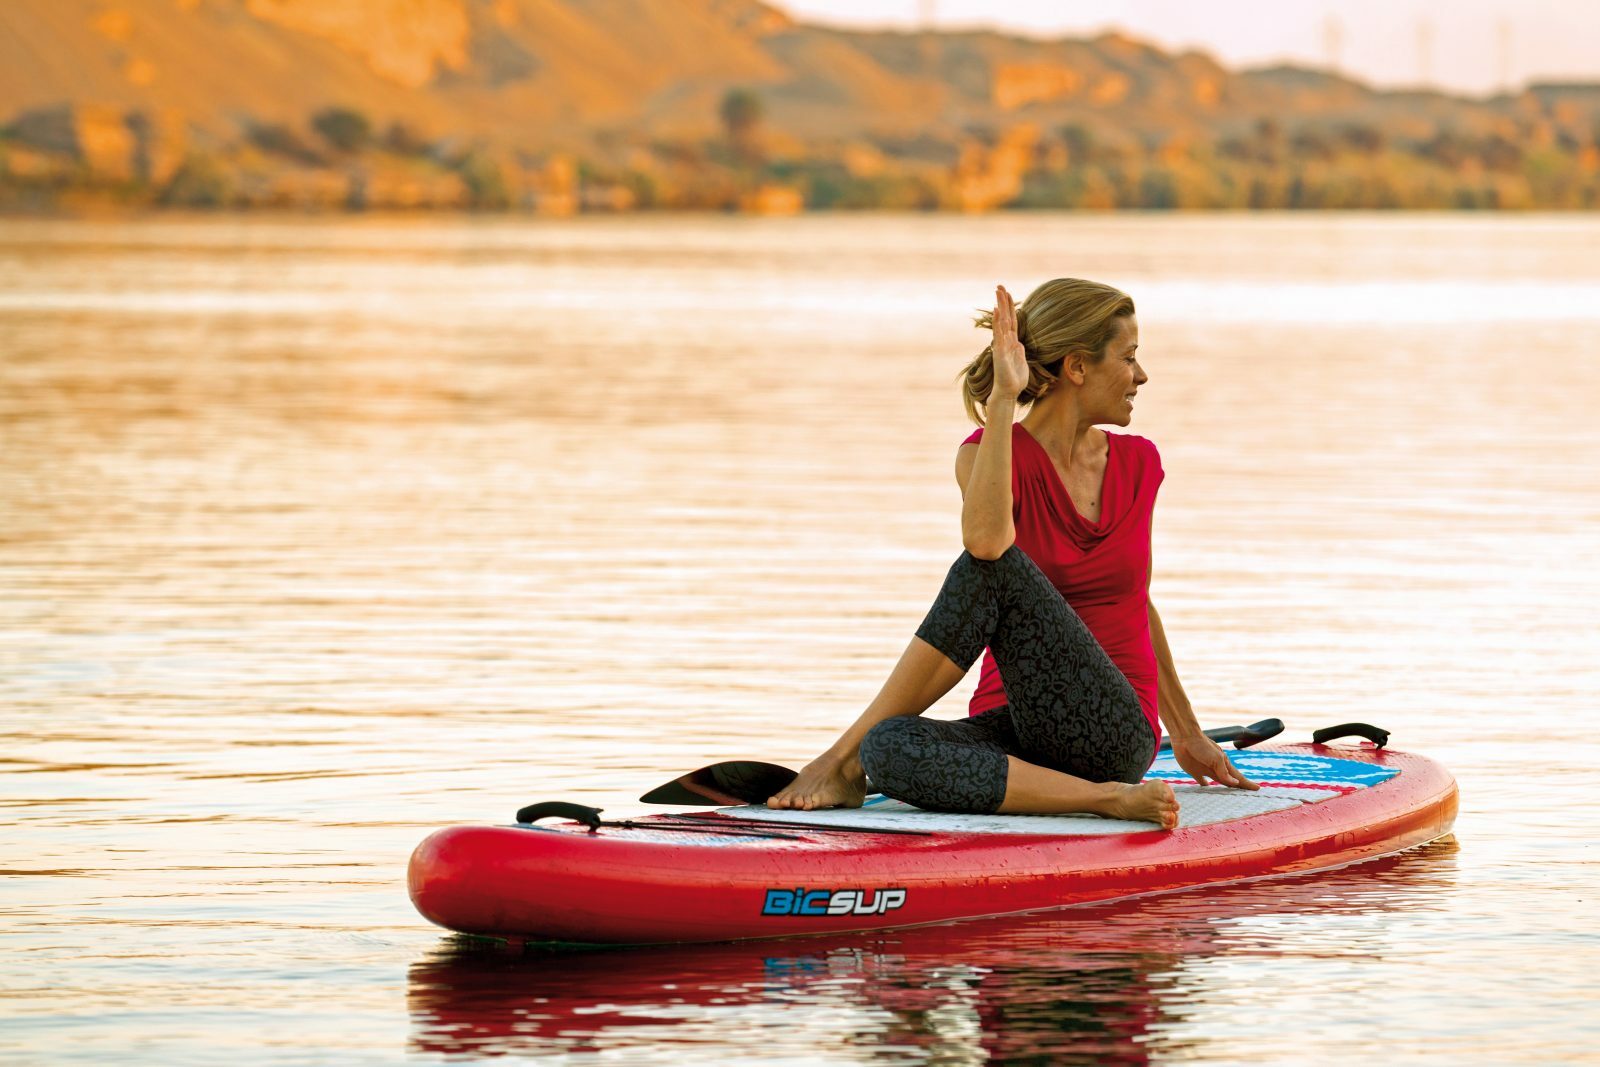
(1116,418)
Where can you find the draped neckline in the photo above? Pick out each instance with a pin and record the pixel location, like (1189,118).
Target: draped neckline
(1101,525)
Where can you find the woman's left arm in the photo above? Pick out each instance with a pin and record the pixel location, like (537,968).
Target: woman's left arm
(1197,754)
(1172,702)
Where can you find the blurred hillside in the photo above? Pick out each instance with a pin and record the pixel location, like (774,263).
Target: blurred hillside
(559,106)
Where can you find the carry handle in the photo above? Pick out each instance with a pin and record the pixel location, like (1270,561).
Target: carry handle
(1375,734)
(590,817)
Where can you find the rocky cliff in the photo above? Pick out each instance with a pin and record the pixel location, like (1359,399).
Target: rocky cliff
(492,101)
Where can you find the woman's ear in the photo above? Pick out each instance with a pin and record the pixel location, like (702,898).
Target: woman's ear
(1074,366)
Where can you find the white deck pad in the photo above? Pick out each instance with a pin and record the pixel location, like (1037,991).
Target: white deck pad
(1294,778)
(1197,805)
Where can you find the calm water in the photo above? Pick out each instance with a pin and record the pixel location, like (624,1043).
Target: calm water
(318,535)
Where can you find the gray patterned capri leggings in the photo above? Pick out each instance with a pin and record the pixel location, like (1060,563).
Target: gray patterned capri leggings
(1070,708)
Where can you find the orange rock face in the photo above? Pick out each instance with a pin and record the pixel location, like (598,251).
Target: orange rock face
(405,41)
(772,199)
(1018,84)
(1111,89)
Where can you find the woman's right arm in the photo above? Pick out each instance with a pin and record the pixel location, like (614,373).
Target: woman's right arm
(984,470)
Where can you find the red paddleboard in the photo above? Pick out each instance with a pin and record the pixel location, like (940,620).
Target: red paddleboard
(749,872)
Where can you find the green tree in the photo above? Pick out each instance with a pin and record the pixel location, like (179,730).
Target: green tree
(1500,153)
(344,128)
(1447,147)
(403,139)
(1158,188)
(283,141)
(645,186)
(485,182)
(1080,143)
(742,112)
(1268,145)
(1311,143)
(200,181)
(1359,137)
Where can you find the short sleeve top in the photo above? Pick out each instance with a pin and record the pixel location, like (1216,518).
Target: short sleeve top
(1101,568)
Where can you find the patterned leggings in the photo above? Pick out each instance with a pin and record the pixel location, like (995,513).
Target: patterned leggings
(1070,708)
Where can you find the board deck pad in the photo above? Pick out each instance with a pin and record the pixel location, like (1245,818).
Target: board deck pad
(1287,779)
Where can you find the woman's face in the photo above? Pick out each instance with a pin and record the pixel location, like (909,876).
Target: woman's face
(1109,385)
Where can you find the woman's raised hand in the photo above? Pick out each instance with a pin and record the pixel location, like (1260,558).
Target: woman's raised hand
(1010,361)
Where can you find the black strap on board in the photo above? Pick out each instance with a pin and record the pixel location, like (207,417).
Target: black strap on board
(1375,734)
(561,809)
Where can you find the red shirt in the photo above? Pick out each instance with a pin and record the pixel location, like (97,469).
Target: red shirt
(1101,568)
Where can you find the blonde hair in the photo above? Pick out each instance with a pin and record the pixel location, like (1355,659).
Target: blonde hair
(1060,317)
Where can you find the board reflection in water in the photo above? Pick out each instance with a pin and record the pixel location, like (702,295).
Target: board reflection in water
(1095,984)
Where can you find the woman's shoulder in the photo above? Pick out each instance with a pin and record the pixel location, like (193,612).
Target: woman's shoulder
(977,435)
(1132,441)
(1135,442)
(1142,448)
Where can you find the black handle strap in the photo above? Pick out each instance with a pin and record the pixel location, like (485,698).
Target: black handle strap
(1376,735)
(590,817)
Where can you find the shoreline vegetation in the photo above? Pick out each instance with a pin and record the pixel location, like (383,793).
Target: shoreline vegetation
(81,157)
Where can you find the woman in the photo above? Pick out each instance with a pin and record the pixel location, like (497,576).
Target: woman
(1065,715)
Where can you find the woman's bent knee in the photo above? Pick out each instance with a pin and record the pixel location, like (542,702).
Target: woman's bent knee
(885,745)
(907,762)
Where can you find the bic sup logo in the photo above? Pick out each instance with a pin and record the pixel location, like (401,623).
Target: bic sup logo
(803,901)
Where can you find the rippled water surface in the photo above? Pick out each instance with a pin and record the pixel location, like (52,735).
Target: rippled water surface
(316,535)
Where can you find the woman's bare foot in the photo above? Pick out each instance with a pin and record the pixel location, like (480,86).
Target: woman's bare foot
(824,783)
(1150,801)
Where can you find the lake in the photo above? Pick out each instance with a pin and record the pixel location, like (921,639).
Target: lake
(317,534)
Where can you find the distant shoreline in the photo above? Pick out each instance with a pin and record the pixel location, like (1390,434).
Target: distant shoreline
(116,213)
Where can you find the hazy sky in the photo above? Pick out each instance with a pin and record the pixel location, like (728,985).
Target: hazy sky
(1381,41)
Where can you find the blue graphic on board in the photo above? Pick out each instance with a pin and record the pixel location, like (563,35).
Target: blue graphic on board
(1286,767)
(803,901)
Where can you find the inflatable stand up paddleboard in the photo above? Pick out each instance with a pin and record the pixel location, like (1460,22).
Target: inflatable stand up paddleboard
(747,871)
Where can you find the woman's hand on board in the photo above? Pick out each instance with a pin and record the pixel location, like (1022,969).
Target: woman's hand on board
(1202,759)
(1010,359)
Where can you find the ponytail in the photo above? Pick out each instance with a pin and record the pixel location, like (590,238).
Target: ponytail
(1058,318)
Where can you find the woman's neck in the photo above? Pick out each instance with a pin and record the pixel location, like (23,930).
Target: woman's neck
(1056,423)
